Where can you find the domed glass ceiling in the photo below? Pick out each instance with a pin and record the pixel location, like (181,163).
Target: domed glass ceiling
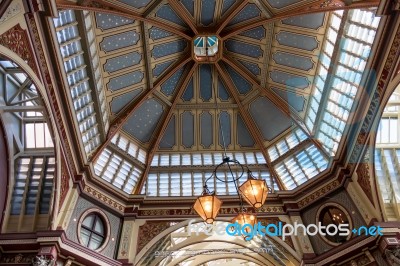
(150,115)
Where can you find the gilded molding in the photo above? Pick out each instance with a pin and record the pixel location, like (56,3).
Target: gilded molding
(318,193)
(64,184)
(103,198)
(150,230)
(364,180)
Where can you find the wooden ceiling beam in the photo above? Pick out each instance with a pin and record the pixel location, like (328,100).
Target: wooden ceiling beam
(162,129)
(184,14)
(110,8)
(278,102)
(120,120)
(250,124)
(4,6)
(230,16)
(316,7)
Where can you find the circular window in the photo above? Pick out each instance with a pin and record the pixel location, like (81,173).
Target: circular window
(92,231)
(331,217)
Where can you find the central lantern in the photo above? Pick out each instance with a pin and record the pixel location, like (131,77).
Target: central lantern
(206,49)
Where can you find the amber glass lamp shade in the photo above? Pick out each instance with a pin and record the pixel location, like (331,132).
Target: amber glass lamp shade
(207,206)
(245,218)
(254,191)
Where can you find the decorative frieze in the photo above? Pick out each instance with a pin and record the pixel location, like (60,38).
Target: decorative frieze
(318,193)
(103,198)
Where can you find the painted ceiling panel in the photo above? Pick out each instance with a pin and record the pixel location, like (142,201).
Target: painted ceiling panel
(206,127)
(241,84)
(222,91)
(250,11)
(126,80)
(256,33)
(109,21)
(252,67)
(169,86)
(118,41)
(225,121)
(293,99)
(291,80)
(187,129)
(157,33)
(136,3)
(270,120)
(207,12)
(281,3)
(244,48)
(244,137)
(119,102)
(168,14)
(164,49)
(205,82)
(122,61)
(292,60)
(227,5)
(311,21)
(189,5)
(189,91)
(143,122)
(294,40)
(161,67)
(168,140)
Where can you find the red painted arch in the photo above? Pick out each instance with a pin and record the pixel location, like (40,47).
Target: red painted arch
(3,172)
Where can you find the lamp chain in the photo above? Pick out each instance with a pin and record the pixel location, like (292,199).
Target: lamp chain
(219,120)
(223,142)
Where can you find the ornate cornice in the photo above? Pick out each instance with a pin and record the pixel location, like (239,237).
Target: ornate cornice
(314,196)
(94,193)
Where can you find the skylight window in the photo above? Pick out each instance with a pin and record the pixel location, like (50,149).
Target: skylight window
(302,166)
(205,46)
(205,159)
(117,171)
(78,80)
(284,145)
(341,87)
(129,147)
(190,183)
(37,135)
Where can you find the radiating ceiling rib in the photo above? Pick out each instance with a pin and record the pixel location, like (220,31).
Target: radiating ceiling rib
(120,120)
(184,14)
(230,16)
(281,104)
(250,124)
(316,7)
(153,6)
(160,133)
(120,11)
(147,53)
